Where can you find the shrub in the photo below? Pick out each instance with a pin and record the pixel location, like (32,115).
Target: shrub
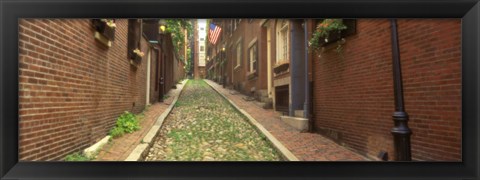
(126,123)
(77,157)
(117,132)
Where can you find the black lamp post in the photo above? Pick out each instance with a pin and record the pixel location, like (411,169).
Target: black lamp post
(401,132)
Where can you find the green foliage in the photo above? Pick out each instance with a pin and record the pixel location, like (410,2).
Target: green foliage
(126,123)
(77,157)
(117,132)
(165,97)
(188,63)
(324,29)
(176,27)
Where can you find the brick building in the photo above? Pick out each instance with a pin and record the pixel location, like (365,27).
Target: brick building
(77,77)
(351,91)
(353,95)
(235,59)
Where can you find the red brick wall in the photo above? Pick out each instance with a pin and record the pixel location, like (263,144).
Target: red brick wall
(239,79)
(72,88)
(253,31)
(353,94)
(431,67)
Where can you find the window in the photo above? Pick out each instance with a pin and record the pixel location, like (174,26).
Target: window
(202,48)
(202,39)
(252,58)
(134,35)
(201,29)
(239,54)
(282,41)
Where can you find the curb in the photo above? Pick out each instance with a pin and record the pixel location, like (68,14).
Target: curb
(274,141)
(140,151)
(92,151)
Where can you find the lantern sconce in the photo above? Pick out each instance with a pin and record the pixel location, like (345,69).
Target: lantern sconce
(162,26)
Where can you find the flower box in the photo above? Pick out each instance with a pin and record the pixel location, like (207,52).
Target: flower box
(281,68)
(137,59)
(136,56)
(252,75)
(107,31)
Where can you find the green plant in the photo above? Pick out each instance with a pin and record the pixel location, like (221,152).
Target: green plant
(165,97)
(117,132)
(323,31)
(126,123)
(177,28)
(77,157)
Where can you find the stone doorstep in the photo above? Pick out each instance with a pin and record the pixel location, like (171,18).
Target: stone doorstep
(141,149)
(301,124)
(91,151)
(299,113)
(286,154)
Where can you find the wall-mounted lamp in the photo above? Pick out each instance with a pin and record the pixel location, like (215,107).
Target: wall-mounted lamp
(162,26)
(223,49)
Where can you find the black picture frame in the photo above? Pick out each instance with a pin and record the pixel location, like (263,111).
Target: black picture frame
(11,11)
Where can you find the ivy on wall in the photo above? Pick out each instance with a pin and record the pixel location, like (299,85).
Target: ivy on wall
(177,29)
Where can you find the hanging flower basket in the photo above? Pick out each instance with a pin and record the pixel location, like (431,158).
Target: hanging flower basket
(328,31)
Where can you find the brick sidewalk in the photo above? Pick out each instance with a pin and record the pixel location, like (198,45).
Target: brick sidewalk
(120,148)
(305,146)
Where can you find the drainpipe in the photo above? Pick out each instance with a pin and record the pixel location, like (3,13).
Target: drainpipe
(306,105)
(292,88)
(401,132)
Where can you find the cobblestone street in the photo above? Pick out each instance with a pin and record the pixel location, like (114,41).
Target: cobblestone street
(305,146)
(204,126)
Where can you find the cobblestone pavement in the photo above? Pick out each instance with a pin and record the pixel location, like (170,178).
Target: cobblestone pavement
(119,149)
(203,126)
(305,146)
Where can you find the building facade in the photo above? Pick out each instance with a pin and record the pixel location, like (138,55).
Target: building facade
(200,28)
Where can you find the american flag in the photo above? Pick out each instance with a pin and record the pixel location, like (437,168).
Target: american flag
(214,33)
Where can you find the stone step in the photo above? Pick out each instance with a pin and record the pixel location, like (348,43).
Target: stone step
(299,113)
(300,124)
(264,105)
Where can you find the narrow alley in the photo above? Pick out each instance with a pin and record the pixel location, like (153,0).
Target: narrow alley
(240,89)
(204,126)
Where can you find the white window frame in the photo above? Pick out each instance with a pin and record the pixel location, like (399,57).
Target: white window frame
(282,41)
(238,49)
(250,54)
